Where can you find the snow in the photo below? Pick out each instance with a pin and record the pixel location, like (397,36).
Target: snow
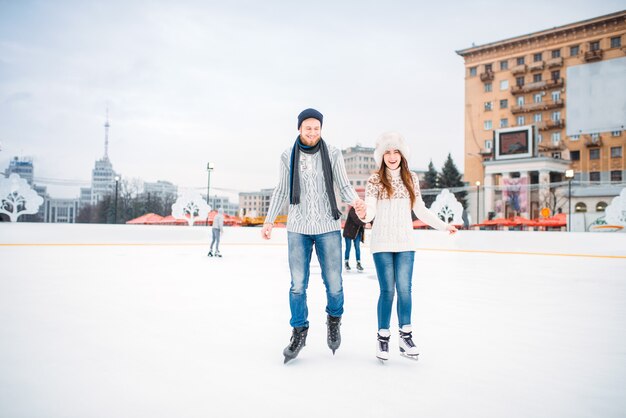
(133,320)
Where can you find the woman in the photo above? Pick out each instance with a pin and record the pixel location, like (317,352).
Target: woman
(390,195)
(353,230)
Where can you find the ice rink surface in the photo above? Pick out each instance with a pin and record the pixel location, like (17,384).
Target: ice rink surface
(136,321)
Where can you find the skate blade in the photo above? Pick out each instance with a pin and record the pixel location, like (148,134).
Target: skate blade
(288,359)
(409,356)
(382,360)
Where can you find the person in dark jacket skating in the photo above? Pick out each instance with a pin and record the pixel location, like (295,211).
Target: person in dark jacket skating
(353,230)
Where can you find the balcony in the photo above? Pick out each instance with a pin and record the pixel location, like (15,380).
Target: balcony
(519,69)
(537,66)
(533,107)
(551,124)
(486,76)
(486,152)
(591,56)
(537,86)
(552,146)
(555,62)
(591,142)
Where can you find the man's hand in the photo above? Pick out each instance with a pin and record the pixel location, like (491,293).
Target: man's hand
(266,232)
(360,208)
(451,229)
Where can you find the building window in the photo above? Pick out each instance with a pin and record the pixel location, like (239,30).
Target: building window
(520,100)
(616,42)
(594,154)
(601,206)
(616,175)
(580,207)
(488,87)
(616,152)
(536,78)
(488,106)
(556,155)
(539,138)
(574,155)
(556,96)
(574,50)
(488,144)
(537,98)
(555,75)
(487,125)
(519,81)
(504,103)
(595,137)
(556,137)
(556,53)
(520,61)
(574,137)
(504,85)
(521,120)
(504,65)
(488,68)
(556,116)
(594,176)
(504,123)
(472,71)
(616,133)
(537,57)
(594,46)
(537,117)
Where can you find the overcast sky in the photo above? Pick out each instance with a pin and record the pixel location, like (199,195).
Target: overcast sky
(189,82)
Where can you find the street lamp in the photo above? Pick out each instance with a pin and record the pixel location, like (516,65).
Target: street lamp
(477,201)
(569,175)
(117,182)
(209,168)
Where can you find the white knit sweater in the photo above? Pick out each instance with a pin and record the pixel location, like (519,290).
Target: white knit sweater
(392,230)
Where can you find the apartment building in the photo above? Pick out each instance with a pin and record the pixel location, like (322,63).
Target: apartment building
(516,103)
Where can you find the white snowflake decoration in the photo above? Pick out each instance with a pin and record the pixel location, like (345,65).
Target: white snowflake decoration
(447,208)
(18,198)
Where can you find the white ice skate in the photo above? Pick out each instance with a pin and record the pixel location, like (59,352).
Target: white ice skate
(407,347)
(382,345)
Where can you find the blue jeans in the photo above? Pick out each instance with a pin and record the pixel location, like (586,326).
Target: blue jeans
(328,250)
(216,239)
(395,271)
(357,247)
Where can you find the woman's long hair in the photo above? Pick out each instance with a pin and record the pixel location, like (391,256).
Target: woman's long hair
(405,175)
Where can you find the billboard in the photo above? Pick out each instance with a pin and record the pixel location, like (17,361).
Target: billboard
(596,97)
(511,143)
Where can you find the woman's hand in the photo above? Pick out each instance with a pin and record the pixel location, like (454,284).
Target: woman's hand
(451,229)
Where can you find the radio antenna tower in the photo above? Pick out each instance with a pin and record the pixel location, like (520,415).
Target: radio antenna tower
(106,136)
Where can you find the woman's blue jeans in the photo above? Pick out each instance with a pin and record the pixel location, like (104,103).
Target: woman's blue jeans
(328,250)
(395,272)
(357,247)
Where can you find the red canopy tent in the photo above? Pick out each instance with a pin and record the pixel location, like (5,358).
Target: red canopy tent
(148,218)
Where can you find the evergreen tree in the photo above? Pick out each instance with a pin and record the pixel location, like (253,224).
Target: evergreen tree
(431,181)
(451,178)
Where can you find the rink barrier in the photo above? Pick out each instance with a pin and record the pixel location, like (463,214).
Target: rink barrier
(178,244)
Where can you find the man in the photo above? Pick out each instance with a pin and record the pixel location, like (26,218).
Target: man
(217,229)
(308,173)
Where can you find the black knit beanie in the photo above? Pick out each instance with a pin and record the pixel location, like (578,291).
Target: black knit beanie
(310,113)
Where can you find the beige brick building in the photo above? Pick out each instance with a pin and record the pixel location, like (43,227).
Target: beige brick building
(521,82)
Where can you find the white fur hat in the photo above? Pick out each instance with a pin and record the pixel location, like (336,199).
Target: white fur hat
(388,141)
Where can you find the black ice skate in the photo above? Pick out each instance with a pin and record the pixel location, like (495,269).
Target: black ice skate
(210,254)
(333,324)
(382,345)
(359,267)
(347,264)
(298,340)
(407,347)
